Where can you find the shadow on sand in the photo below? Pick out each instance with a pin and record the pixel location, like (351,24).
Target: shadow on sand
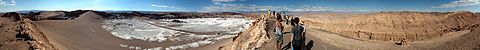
(307,47)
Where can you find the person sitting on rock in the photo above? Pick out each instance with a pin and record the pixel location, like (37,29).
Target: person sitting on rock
(298,35)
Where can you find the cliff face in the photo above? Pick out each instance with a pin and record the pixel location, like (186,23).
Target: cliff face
(406,26)
(255,37)
(260,35)
(19,33)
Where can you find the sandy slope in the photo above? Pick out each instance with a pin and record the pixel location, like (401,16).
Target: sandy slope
(86,33)
(49,14)
(83,33)
(215,46)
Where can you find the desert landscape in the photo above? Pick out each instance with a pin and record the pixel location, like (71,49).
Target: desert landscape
(374,31)
(370,31)
(94,30)
(403,30)
(97,30)
(239,25)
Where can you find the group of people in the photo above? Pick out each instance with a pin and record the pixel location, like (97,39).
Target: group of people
(298,31)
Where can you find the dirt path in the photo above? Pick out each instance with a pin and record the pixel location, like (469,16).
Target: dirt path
(319,38)
(270,27)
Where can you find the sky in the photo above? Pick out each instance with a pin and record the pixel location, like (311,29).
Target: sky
(243,5)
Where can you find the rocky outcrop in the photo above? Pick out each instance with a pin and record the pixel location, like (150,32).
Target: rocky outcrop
(257,36)
(18,33)
(401,26)
(12,16)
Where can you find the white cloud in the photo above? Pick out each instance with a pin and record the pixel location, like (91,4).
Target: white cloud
(7,3)
(221,5)
(460,3)
(322,8)
(218,2)
(161,6)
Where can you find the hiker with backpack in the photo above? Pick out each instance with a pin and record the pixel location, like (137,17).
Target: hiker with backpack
(298,35)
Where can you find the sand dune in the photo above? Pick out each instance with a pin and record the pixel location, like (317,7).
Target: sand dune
(83,33)
(86,33)
(49,14)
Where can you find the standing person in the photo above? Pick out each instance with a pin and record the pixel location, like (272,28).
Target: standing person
(273,14)
(287,19)
(298,35)
(279,31)
(294,21)
(269,12)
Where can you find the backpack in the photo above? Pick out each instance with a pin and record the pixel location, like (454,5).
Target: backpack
(298,35)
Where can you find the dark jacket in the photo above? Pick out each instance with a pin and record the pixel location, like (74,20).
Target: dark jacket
(298,36)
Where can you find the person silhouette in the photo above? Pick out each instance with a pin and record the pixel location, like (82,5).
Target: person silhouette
(298,35)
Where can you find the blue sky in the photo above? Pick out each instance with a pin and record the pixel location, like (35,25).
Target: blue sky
(243,5)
